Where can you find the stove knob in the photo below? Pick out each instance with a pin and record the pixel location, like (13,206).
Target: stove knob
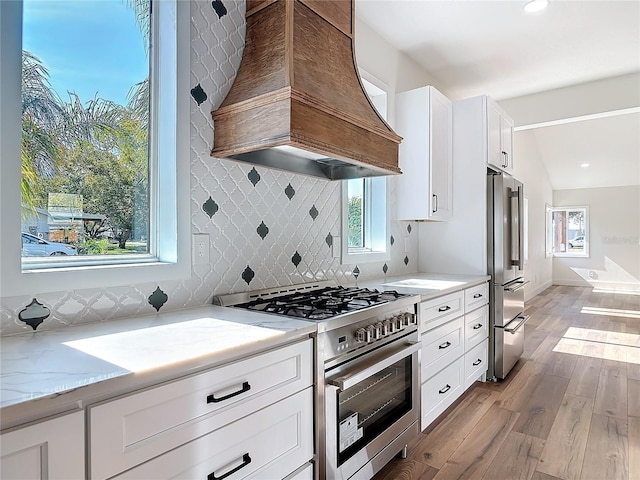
(389,326)
(370,333)
(399,322)
(386,328)
(378,331)
(408,319)
(361,335)
(413,320)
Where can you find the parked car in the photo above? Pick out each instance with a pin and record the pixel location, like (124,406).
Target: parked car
(577,242)
(33,246)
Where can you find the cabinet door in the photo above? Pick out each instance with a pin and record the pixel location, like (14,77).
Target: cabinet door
(506,134)
(441,156)
(495,156)
(53,449)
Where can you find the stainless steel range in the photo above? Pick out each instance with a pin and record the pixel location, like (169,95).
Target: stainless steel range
(366,370)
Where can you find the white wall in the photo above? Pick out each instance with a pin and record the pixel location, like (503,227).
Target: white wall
(530,170)
(614,234)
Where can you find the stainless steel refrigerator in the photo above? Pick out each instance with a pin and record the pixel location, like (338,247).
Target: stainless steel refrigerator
(505,257)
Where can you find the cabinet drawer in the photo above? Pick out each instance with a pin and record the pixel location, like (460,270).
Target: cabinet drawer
(475,363)
(440,310)
(305,473)
(441,390)
(132,429)
(441,346)
(270,443)
(476,327)
(475,297)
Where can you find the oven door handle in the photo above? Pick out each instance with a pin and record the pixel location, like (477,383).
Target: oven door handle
(373,366)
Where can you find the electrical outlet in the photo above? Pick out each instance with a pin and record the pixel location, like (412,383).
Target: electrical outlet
(200,245)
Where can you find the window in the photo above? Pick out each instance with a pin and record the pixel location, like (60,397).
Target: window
(568,231)
(364,203)
(102,133)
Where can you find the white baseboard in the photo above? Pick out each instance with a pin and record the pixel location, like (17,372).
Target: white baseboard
(529,294)
(571,282)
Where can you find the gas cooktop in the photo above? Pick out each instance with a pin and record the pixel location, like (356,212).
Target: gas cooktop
(311,302)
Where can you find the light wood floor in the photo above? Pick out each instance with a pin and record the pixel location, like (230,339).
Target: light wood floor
(569,410)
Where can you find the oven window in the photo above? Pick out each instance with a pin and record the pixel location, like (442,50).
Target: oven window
(368,408)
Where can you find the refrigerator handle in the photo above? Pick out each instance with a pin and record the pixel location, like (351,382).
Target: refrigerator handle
(517,249)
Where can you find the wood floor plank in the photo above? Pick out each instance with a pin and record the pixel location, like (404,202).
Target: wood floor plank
(436,447)
(540,411)
(606,454)
(542,353)
(533,341)
(518,458)
(565,446)
(475,454)
(633,399)
(543,476)
(517,393)
(634,446)
(611,396)
(406,469)
(561,364)
(584,380)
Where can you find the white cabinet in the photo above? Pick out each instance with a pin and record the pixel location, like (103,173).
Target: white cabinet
(454,330)
(499,137)
(51,449)
(425,188)
(133,429)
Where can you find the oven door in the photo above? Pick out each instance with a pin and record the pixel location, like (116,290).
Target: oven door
(370,402)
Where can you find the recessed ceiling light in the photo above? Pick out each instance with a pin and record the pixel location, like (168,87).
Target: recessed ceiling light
(584,165)
(535,6)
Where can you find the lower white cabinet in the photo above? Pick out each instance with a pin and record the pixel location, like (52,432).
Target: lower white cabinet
(52,449)
(268,444)
(475,364)
(441,390)
(202,422)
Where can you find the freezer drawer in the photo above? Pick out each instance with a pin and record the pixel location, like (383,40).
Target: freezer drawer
(509,302)
(509,345)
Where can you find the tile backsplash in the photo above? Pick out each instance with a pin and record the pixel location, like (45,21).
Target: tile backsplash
(266,227)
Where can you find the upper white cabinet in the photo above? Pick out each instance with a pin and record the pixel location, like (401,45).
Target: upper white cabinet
(424,120)
(52,449)
(499,137)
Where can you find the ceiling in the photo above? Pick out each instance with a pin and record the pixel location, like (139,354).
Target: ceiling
(478,47)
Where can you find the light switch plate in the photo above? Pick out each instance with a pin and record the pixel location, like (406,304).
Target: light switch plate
(201,246)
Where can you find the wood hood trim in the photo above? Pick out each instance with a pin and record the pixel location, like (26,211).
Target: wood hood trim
(298,85)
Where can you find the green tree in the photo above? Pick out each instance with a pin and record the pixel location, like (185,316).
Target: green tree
(354,209)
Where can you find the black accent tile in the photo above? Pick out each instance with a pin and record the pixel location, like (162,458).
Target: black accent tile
(158,298)
(329,240)
(34,314)
(406,260)
(385,269)
(198,94)
(289,191)
(248,275)
(219,7)
(296,259)
(262,230)
(210,207)
(392,240)
(313,212)
(409,228)
(356,272)
(253,176)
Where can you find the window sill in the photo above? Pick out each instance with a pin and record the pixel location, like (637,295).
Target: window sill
(353,256)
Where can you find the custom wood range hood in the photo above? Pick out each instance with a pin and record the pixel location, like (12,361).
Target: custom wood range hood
(297,102)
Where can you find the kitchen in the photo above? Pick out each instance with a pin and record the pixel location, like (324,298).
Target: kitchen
(302,215)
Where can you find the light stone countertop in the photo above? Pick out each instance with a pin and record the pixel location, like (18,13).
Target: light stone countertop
(427,285)
(49,372)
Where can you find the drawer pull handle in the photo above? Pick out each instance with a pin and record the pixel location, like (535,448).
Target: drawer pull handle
(477,362)
(245,388)
(477,326)
(477,295)
(445,389)
(444,345)
(246,460)
(444,309)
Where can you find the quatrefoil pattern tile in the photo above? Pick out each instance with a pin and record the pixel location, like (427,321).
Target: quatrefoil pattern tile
(267,227)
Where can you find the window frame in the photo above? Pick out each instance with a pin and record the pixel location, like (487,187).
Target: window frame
(375,201)
(169,219)
(549,231)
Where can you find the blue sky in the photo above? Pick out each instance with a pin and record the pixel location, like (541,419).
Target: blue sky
(88,46)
